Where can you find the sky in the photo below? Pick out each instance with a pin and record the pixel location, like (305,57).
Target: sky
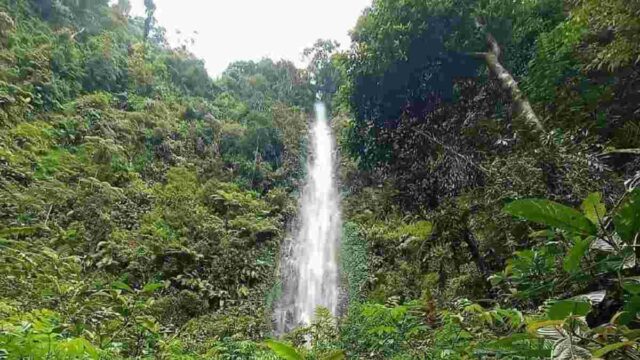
(229,30)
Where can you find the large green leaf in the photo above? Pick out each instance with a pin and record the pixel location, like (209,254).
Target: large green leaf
(575,255)
(593,208)
(551,214)
(627,219)
(631,286)
(283,350)
(631,310)
(560,310)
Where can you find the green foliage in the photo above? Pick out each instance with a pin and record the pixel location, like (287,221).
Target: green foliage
(535,271)
(563,309)
(551,214)
(566,327)
(354,261)
(627,219)
(37,335)
(105,65)
(143,204)
(431,143)
(399,52)
(261,84)
(554,61)
(631,309)
(596,37)
(189,74)
(138,219)
(283,350)
(593,208)
(620,17)
(378,332)
(517,25)
(325,70)
(287,352)
(576,254)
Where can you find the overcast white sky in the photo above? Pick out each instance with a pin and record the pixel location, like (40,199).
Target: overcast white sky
(230,30)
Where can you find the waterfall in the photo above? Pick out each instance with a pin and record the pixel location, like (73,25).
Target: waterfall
(309,262)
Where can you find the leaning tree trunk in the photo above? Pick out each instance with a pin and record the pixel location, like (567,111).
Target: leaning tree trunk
(492,58)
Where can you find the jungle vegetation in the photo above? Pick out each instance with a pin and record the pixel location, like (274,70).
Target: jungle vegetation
(490,171)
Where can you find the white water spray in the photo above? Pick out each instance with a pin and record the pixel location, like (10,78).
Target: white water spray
(310,267)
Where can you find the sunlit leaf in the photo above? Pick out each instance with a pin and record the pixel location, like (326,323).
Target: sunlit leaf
(593,208)
(283,350)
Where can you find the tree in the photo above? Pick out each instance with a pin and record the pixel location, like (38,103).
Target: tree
(492,58)
(124,7)
(408,55)
(403,62)
(150,9)
(260,84)
(324,73)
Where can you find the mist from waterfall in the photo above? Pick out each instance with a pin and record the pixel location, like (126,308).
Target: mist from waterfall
(310,261)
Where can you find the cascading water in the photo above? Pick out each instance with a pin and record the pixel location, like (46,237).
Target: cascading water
(309,264)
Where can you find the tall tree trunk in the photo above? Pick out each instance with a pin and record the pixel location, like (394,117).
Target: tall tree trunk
(492,58)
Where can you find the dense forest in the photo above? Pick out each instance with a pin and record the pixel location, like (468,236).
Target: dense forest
(490,182)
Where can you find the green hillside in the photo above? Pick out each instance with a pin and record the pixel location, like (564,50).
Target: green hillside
(490,174)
